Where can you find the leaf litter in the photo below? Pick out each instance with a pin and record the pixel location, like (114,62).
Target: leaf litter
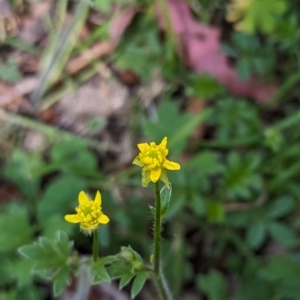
(202,48)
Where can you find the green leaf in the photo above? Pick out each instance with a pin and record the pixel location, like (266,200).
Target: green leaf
(28,292)
(108,259)
(204,86)
(235,119)
(103,6)
(283,234)
(198,204)
(256,234)
(244,68)
(262,15)
(54,224)
(165,197)
(118,269)
(17,270)
(205,163)
(125,279)
(138,283)
(262,290)
(15,229)
(72,155)
(60,280)
(20,168)
(60,196)
(281,207)
(175,125)
(215,211)
(144,49)
(131,255)
(241,176)
(48,254)
(99,272)
(213,285)
(281,269)
(63,243)
(51,259)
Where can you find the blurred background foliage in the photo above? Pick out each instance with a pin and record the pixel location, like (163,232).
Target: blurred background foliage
(232,229)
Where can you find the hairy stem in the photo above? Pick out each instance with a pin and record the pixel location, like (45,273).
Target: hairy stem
(162,287)
(157,229)
(158,277)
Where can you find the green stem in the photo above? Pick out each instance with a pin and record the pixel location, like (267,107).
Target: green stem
(162,287)
(95,245)
(157,229)
(158,277)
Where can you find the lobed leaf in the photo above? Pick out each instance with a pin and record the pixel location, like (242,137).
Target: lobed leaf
(60,280)
(138,283)
(125,279)
(99,272)
(48,254)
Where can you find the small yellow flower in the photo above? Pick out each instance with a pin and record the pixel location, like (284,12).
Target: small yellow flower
(89,213)
(152,158)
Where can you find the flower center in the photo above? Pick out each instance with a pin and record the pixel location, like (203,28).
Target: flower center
(89,213)
(153,158)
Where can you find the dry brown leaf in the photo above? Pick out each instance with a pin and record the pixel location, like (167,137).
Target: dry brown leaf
(120,22)
(78,63)
(203,54)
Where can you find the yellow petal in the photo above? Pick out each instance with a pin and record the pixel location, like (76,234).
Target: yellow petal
(171,165)
(103,219)
(137,161)
(82,198)
(155,174)
(98,199)
(143,147)
(72,218)
(163,143)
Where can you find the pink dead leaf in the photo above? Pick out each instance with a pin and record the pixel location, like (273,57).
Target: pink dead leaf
(96,51)
(201,44)
(120,22)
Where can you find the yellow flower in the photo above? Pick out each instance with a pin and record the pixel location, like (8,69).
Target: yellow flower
(89,213)
(152,158)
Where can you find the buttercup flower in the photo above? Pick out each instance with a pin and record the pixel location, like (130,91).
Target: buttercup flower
(152,158)
(89,213)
